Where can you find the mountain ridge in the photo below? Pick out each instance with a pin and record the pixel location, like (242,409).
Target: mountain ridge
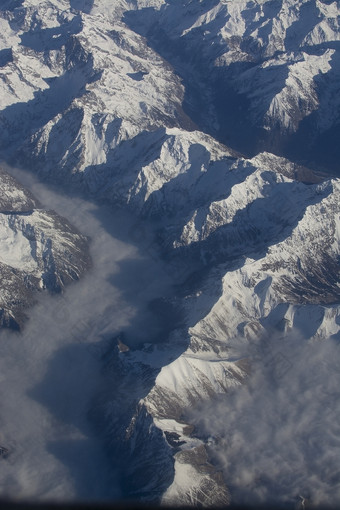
(136,105)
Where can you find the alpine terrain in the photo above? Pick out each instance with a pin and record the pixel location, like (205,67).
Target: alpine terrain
(214,125)
(39,250)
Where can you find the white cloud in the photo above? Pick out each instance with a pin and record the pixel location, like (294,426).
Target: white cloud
(51,373)
(278,437)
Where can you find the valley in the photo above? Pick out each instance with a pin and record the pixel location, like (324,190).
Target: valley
(192,148)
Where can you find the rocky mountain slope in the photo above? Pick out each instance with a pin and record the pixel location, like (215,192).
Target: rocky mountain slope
(258,75)
(269,276)
(38,250)
(203,119)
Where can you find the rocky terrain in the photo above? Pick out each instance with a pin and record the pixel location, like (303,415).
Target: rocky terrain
(39,251)
(216,123)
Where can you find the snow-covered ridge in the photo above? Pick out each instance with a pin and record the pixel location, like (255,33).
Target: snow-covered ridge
(259,75)
(291,289)
(289,286)
(38,250)
(94,95)
(86,71)
(278,241)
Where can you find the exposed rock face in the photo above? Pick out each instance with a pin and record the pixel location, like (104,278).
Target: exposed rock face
(146,105)
(258,75)
(39,250)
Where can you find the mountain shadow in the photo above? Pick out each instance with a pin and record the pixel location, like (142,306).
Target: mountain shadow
(49,39)
(213,94)
(28,117)
(82,5)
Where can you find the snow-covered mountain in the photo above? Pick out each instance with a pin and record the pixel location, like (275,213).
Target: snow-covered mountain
(38,250)
(98,79)
(259,75)
(204,119)
(271,276)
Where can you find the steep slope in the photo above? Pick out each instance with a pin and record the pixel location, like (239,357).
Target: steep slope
(78,84)
(258,75)
(39,250)
(271,272)
(109,99)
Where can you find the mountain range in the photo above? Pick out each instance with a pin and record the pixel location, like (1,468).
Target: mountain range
(216,124)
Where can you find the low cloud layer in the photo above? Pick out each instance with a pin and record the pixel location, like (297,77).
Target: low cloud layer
(51,372)
(277,438)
